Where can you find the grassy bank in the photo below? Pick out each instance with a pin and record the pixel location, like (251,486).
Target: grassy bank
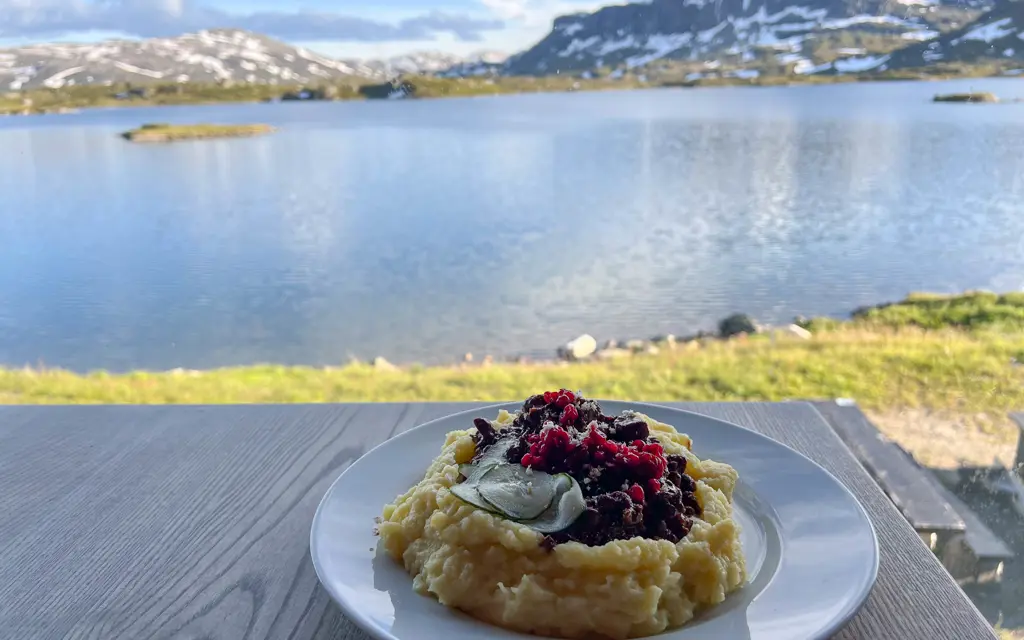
(122,95)
(938,370)
(171,133)
(947,355)
(668,74)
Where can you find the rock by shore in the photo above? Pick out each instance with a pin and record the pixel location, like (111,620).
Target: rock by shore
(586,348)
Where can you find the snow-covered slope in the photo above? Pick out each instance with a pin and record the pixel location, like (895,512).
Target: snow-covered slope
(435,62)
(633,35)
(996,35)
(206,56)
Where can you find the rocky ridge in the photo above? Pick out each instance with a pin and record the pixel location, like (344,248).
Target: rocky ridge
(997,35)
(761,36)
(219,55)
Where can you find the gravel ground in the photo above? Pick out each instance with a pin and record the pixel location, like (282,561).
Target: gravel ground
(949,441)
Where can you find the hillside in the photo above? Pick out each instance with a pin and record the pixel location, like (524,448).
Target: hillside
(996,35)
(221,55)
(771,36)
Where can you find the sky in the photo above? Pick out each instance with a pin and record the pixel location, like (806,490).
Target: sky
(340,28)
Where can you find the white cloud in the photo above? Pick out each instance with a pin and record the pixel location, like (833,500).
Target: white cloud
(507,9)
(147,18)
(537,13)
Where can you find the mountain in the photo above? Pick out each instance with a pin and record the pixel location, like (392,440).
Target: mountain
(206,56)
(434,62)
(996,35)
(772,35)
(480,64)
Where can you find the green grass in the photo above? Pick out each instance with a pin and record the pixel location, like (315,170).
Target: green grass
(169,133)
(944,370)
(974,310)
(948,354)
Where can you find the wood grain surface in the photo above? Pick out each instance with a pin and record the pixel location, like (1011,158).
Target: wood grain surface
(192,522)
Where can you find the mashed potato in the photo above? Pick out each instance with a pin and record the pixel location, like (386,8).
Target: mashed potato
(496,570)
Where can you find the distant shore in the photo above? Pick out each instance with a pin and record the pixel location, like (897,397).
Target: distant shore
(71,99)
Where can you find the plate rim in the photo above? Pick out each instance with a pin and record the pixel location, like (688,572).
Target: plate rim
(852,608)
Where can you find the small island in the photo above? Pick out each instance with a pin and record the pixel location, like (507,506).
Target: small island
(966,97)
(172,132)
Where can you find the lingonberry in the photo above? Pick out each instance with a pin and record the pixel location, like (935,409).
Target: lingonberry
(569,415)
(636,493)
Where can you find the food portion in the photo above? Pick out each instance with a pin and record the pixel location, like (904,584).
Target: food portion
(560,520)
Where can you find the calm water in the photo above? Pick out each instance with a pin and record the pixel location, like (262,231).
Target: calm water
(423,230)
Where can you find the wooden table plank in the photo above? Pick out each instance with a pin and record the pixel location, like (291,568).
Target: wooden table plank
(193,522)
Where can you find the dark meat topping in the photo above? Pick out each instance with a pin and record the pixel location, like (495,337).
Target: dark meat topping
(632,488)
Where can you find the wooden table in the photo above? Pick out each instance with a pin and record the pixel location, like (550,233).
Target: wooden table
(143,522)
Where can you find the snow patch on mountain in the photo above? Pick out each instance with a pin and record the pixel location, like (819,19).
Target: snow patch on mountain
(57,80)
(124,66)
(658,46)
(988,32)
(859,64)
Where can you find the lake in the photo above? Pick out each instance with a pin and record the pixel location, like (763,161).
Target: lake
(423,230)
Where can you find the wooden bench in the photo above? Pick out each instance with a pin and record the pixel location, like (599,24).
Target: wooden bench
(914,491)
(966,546)
(978,556)
(1016,475)
(1019,463)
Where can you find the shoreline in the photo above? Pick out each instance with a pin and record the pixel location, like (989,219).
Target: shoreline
(949,364)
(584,348)
(76,99)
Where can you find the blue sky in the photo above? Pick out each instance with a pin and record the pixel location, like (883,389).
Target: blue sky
(343,28)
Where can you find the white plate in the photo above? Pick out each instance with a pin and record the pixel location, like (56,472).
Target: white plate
(811,550)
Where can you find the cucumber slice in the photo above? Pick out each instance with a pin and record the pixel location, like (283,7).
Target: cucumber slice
(546,503)
(469,493)
(497,451)
(492,457)
(468,489)
(567,507)
(516,493)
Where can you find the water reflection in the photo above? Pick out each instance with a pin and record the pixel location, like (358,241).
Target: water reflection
(420,231)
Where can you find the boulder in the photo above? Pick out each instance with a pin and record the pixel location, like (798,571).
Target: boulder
(381,364)
(737,324)
(582,347)
(799,332)
(636,345)
(668,340)
(613,354)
